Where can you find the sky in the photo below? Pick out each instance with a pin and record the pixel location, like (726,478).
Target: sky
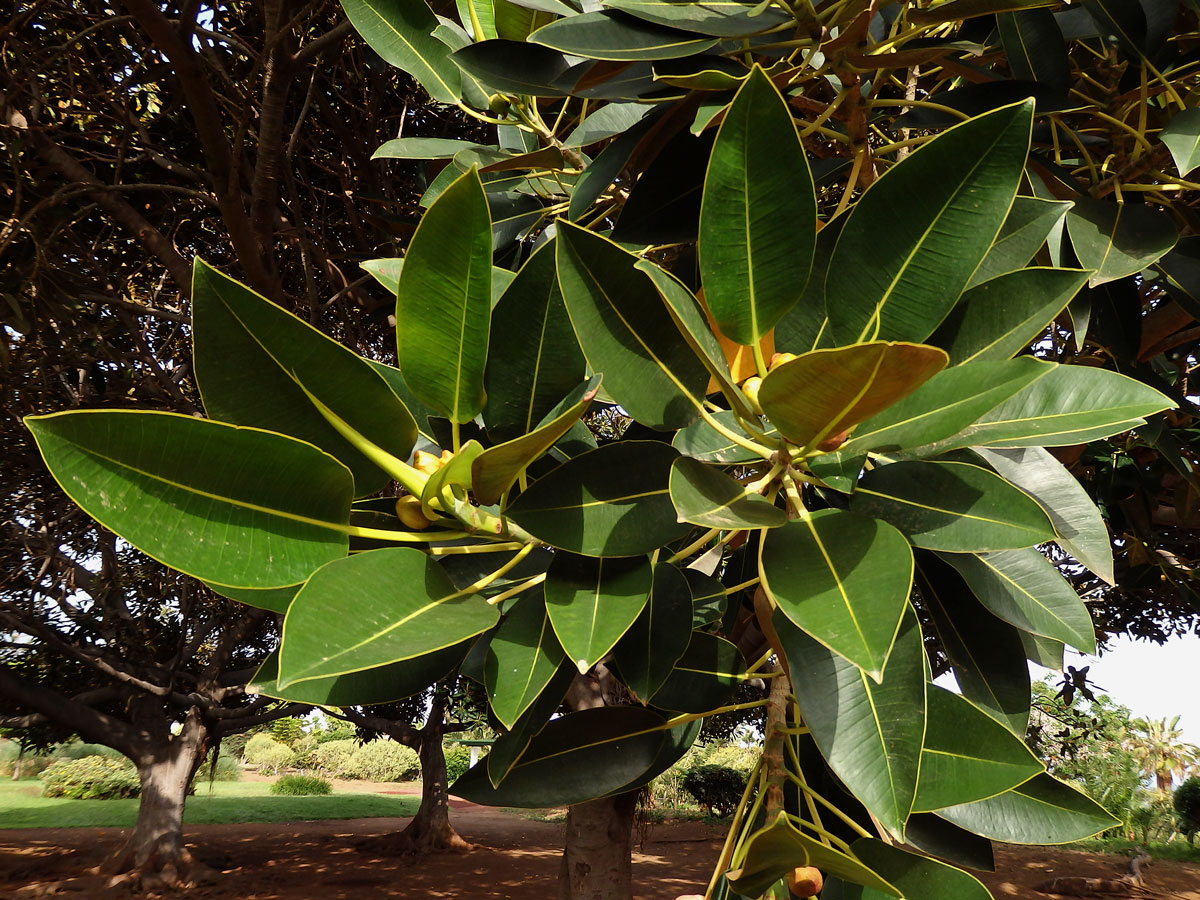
(1153,681)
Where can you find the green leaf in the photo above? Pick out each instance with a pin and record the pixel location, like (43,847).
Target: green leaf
(443,304)
(1118,239)
(895,278)
(609,120)
(507,748)
(704,678)
(1081,529)
(939,838)
(821,394)
(522,657)
(514,67)
(705,496)
(401,31)
(1046,652)
(986,655)
(540,361)
(649,649)
(708,597)
(603,35)
(395,381)
(1040,811)
(252,358)
(233,506)
(575,758)
(844,579)
(720,18)
(943,406)
(424,148)
(1029,223)
(611,501)
(870,733)
(274,599)
(496,469)
(968,755)
(1182,137)
(951,506)
(1034,46)
(626,332)
(1069,405)
(484,11)
(999,318)
(955,10)
(1024,588)
(758,216)
(779,847)
(385,684)
(915,875)
(593,602)
(703,442)
(374,609)
(805,326)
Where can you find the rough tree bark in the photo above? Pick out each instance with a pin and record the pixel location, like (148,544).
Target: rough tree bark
(597,860)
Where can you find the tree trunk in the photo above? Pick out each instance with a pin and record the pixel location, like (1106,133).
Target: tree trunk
(16,776)
(154,854)
(597,860)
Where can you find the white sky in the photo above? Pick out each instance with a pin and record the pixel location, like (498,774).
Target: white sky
(1153,681)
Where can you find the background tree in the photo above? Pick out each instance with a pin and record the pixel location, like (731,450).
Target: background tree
(1161,752)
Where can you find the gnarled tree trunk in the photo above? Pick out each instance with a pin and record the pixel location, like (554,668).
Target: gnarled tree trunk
(154,853)
(597,860)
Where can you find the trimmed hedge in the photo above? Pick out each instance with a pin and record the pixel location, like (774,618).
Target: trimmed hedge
(301,786)
(91,778)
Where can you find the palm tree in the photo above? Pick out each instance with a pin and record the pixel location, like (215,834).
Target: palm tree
(1160,750)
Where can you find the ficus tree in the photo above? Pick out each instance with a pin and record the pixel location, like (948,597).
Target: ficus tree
(838,438)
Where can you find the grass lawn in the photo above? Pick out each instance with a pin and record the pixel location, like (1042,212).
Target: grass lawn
(1179,849)
(222,803)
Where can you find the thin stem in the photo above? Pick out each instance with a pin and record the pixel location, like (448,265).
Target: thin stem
(752,784)
(471,549)
(742,586)
(695,545)
(399,537)
(483,582)
(513,591)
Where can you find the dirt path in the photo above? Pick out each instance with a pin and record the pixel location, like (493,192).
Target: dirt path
(517,860)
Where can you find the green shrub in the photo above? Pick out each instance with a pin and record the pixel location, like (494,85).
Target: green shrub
(80,750)
(301,785)
(302,752)
(91,778)
(286,731)
(266,754)
(337,731)
(383,760)
(333,756)
(733,757)
(458,760)
(715,788)
(32,762)
(228,768)
(1187,807)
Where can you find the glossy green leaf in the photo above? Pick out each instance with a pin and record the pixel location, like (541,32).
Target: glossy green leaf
(514,67)
(705,496)
(609,120)
(721,18)
(703,442)
(541,361)
(708,597)
(496,469)
(952,506)
(603,35)
(612,501)
(778,847)
(838,470)
(677,742)
(1069,405)
(576,757)
(844,579)
(233,506)
(626,332)
(1029,223)
(947,403)
(385,684)
(914,875)
(483,12)
(522,657)
(940,838)
(507,748)
(647,652)
(1024,588)
(1081,529)
(758,217)
(870,733)
(895,278)
(689,318)
(1118,239)
(704,678)
(702,72)
(967,755)
(443,305)
(1045,652)
(401,31)
(374,609)
(274,599)
(805,326)
(593,602)
(821,394)
(1040,811)
(986,654)
(1182,137)
(1034,46)
(456,473)
(256,364)
(999,318)
(424,148)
